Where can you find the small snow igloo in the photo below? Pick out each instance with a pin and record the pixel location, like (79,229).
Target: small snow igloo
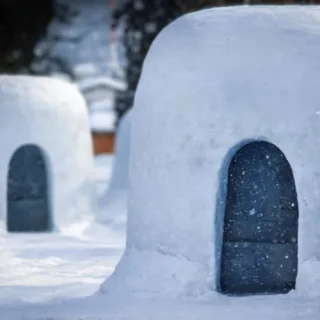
(45,154)
(225,158)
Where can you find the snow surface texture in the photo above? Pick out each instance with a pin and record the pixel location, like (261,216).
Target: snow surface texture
(115,199)
(52,115)
(230,76)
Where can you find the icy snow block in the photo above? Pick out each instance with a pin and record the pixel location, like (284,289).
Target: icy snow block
(28,216)
(249,268)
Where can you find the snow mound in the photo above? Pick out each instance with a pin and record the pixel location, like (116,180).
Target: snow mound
(214,81)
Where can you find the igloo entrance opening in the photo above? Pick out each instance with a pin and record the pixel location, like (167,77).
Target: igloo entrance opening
(28,207)
(260,237)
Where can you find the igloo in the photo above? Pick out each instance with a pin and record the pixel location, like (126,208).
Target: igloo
(113,204)
(45,154)
(224,169)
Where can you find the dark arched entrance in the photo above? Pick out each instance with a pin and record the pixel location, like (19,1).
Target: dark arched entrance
(27,193)
(259,253)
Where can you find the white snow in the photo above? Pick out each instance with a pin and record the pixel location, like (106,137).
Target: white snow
(102,120)
(212,82)
(120,174)
(115,199)
(178,145)
(83,70)
(101,105)
(100,94)
(102,81)
(39,268)
(52,115)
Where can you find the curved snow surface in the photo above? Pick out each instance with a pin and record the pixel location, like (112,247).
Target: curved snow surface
(113,203)
(212,81)
(52,115)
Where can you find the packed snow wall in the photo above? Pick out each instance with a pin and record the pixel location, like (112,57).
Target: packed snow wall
(214,82)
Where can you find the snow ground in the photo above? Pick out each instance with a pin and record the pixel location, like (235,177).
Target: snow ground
(41,267)
(55,277)
(124,308)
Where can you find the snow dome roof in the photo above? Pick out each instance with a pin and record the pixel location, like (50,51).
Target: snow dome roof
(213,81)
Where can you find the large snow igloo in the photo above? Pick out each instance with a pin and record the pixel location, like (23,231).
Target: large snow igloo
(45,154)
(225,158)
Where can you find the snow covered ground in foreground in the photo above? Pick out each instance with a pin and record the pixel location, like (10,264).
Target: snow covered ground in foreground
(53,277)
(124,308)
(41,267)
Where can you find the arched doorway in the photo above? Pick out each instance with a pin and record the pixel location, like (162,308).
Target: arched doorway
(259,252)
(27,191)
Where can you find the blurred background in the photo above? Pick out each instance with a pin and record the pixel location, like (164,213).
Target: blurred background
(98,44)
